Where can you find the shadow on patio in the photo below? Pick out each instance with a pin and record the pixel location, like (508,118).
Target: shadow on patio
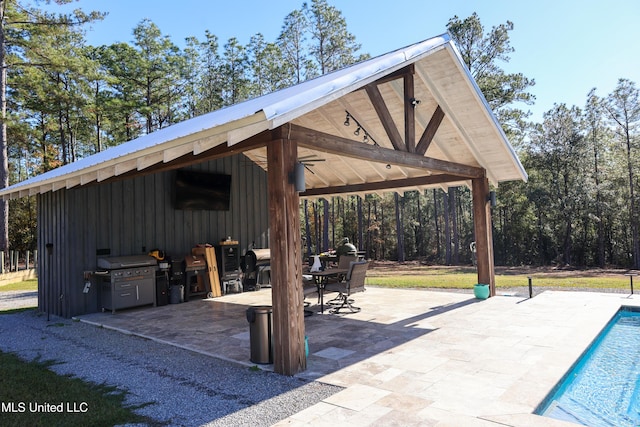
(219,328)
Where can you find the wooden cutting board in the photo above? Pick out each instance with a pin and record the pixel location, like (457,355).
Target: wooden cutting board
(209,253)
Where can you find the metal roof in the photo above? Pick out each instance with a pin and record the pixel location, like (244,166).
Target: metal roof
(468,134)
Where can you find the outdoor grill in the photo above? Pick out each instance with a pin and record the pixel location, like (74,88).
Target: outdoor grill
(257,269)
(126,281)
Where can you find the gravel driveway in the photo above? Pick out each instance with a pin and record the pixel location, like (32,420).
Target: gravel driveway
(183,387)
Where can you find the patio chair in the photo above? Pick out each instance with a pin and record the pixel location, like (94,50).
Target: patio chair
(353,283)
(344,263)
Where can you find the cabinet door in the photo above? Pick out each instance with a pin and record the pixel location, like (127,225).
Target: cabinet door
(145,292)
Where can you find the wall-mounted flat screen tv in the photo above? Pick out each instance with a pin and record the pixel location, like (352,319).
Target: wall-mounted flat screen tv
(196,190)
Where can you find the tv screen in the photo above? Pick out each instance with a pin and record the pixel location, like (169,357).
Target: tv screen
(195,190)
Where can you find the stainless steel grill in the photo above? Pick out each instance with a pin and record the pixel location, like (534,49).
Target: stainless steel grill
(127,281)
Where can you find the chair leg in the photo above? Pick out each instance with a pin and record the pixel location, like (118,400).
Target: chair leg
(337,300)
(346,303)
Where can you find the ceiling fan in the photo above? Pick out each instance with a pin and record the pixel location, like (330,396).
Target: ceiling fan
(307,161)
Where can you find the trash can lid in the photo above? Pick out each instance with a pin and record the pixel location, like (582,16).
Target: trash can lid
(262,309)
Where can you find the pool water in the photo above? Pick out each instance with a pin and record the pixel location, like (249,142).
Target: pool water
(603,387)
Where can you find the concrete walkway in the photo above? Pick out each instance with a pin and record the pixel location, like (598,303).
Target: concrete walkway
(12,300)
(410,357)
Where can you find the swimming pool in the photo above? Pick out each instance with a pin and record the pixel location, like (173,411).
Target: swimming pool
(603,387)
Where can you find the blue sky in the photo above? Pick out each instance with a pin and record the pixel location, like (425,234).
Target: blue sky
(567,46)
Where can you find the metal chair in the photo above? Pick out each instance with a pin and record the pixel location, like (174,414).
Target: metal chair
(353,283)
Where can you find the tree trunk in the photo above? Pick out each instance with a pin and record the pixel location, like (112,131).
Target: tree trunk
(419,232)
(437,223)
(447,229)
(376,232)
(399,227)
(325,225)
(307,228)
(454,225)
(632,202)
(383,247)
(4,158)
(333,222)
(360,222)
(368,246)
(98,123)
(316,222)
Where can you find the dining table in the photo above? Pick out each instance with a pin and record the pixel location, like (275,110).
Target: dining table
(321,278)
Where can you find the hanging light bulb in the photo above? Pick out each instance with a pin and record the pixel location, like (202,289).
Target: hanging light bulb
(346,120)
(366,138)
(357,132)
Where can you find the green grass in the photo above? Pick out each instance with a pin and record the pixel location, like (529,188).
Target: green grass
(463,280)
(25,384)
(26,285)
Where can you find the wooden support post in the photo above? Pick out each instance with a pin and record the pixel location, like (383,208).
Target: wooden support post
(483,233)
(286,258)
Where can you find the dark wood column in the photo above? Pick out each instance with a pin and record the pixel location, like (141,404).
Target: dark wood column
(483,233)
(286,258)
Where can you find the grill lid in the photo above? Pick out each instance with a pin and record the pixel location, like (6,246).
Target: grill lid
(130,261)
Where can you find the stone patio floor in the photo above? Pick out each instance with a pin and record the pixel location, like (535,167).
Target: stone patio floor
(410,357)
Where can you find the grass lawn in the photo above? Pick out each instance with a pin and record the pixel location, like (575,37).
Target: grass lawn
(460,278)
(466,277)
(467,280)
(32,395)
(26,285)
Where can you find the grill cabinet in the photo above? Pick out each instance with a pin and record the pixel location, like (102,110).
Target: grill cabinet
(196,278)
(228,258)
(127,281)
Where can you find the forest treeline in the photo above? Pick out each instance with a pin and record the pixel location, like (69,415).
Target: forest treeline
(66,99)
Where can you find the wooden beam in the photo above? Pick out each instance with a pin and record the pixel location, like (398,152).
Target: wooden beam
(383,185)
(483,233)
(409,69)
(286,259)
(327,143)
(430,131)
(409,114)
(217,152)
(385,117)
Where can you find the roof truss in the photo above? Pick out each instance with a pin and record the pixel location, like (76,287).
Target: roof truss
(410,103)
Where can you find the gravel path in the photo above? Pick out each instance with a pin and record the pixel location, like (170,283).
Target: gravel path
(183,388)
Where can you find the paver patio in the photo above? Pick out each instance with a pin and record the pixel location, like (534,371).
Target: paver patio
(410,357)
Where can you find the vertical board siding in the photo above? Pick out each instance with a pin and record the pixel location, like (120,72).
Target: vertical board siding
(135,216)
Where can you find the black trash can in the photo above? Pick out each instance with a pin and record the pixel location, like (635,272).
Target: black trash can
(260,319)
(177,294)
